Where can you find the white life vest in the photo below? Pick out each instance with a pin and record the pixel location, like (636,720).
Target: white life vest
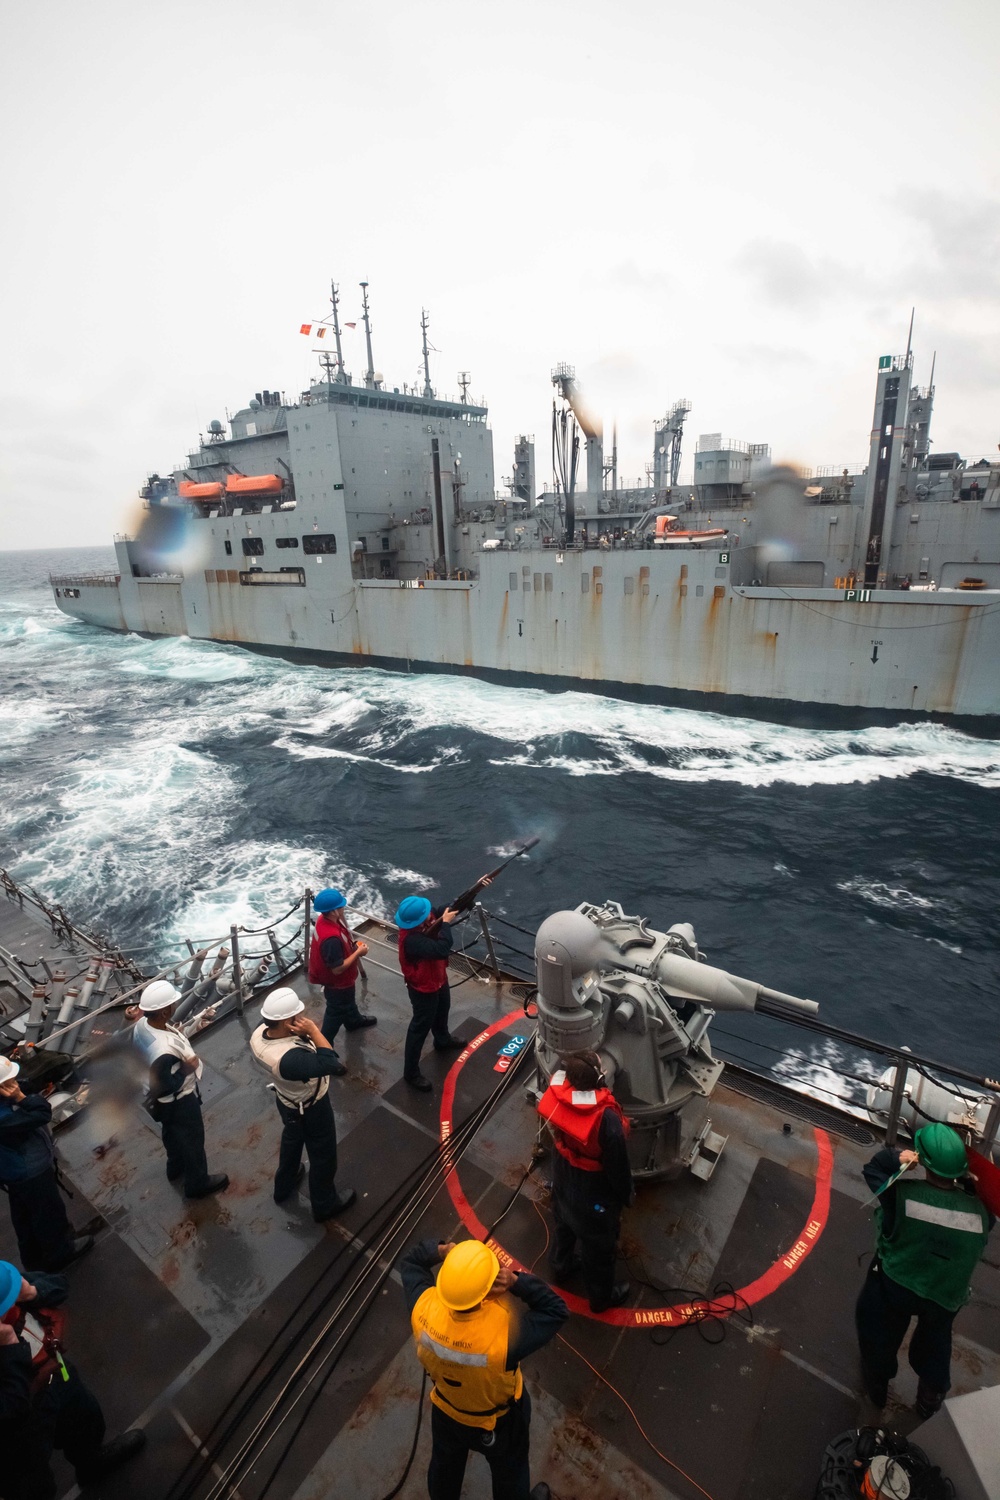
(269,1050)
(152,1042)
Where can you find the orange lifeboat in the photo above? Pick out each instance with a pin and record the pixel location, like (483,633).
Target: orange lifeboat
(190,491)
(254,484)
(668,533)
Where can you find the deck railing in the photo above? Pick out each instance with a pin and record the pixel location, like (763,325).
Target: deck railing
(84,580)
(77,1014)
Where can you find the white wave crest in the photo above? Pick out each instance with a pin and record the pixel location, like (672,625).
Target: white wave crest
(890,897)
(184,660)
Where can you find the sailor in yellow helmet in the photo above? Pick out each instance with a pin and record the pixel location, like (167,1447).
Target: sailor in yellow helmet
(473,1323)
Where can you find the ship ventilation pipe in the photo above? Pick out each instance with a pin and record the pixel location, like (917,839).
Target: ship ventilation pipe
(194,971)
(204,991)
(69,1041)
(70,998)
(97,998)
(36,1014)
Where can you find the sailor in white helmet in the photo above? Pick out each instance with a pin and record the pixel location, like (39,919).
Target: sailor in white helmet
(175,1101)
(300,1061)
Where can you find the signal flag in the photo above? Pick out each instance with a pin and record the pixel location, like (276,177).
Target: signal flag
(987,1180)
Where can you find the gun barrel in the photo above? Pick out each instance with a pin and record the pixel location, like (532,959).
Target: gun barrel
(775,1003)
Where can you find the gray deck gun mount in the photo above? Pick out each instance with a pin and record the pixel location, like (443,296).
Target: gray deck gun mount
(644,1001)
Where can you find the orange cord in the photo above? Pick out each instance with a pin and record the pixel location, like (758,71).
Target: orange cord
(545,1225)
(604,1380)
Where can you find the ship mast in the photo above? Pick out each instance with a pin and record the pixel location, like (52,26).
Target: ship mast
(370,372)
(341,375)
(428,388)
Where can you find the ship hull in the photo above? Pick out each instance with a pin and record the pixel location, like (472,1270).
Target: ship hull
(668,627)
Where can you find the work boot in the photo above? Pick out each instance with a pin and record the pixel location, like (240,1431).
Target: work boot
(364,1021)
(80,1247)
(343,1200)
(420,1083)
(213,1185)
(110,1456)
(295,1182)
(619,1294)
(541,1492)
(338,1070)
(450,1044)
(928,1400)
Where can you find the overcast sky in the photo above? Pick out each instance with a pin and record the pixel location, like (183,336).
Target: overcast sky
(735,201)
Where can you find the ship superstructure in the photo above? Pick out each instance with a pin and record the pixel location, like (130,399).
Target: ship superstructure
(362,523)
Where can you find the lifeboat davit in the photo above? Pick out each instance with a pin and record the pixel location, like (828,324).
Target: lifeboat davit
(254,484)
(669,534)
(190,491)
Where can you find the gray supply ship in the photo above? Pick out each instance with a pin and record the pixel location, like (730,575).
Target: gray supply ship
(361,524)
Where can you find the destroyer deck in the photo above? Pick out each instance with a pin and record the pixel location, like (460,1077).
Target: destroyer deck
(172,1309)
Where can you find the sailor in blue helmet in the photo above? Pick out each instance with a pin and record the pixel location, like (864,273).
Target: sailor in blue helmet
(335,956)
(43,1402)
(425,941)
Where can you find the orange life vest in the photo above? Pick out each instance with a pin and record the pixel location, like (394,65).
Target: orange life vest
(45,1357)
(575,1116)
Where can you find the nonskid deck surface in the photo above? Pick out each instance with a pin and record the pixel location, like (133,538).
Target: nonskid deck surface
(172,1310)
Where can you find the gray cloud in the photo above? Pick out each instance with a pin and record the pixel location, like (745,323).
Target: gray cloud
(788,276)
(960,242)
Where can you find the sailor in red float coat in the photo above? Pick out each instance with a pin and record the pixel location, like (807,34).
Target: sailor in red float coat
(334,959)
(425,941)
(43,1402)
(591,1177)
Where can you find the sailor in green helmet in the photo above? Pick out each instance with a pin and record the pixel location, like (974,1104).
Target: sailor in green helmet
(932,1231)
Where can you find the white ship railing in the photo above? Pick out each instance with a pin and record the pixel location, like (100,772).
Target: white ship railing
(84,580)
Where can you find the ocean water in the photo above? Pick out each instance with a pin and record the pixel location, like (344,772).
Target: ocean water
(162,789)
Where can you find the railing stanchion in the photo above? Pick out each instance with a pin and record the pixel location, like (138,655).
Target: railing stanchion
(991,1127)
(896,1102)
(234,943)
(488,938)
(307,929)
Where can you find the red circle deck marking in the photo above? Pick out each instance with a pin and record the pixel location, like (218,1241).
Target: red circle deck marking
(643,1317)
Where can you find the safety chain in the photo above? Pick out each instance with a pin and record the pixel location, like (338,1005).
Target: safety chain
(275,922)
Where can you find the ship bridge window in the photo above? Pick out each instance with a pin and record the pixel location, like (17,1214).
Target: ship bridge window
(319,541)
(286,541)
(253,546)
